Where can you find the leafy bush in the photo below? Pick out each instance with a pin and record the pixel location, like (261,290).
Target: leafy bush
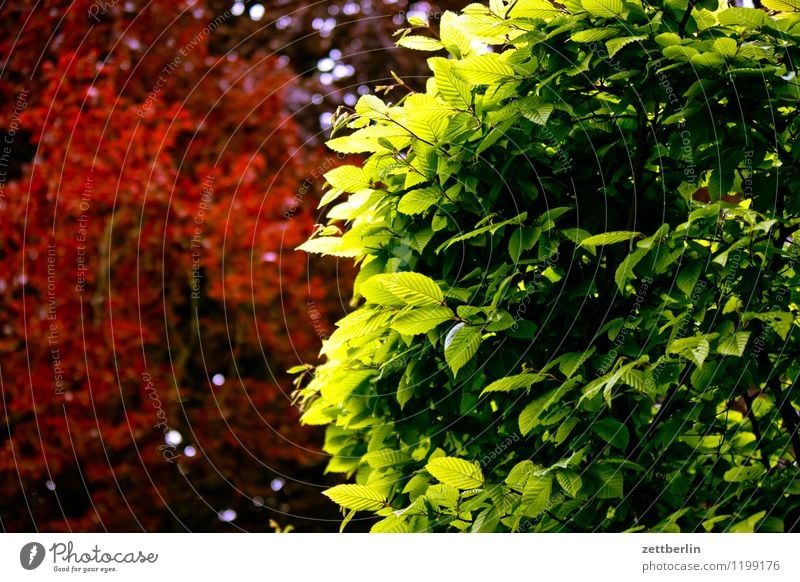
(554,334)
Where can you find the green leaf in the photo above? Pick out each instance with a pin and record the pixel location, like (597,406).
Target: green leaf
(727,47)
(609,238)
(593,35)
(453,37)
(610,480)
(734,345)
(536,495)
(421,320)
(707,60)
(569,363)
(667,39)
(616,44)
(520,473)
(420,43)
(456,472)
(348,178)
(356,497)
(391,524)
(564,430)
(733,304)
(449,86)
(741,473)
(535,109)
(745,17)
(782,5)
(484,69)
(418,201)
(695,349)
(334,246)
(461,345)
(342,386)
(533,9)
(402,289)
(514,383)
(679,52)
(443,495)
(748,525)
(721,179)
(612,431)
(688,277)
(624,272)
(570,481)
(603,8)
(371,107)
(385,458)
(490,228)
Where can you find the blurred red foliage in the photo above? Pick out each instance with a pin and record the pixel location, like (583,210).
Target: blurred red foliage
(151,198)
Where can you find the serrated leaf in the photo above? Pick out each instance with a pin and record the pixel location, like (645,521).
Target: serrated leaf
(490,228)
(610,479)
(461,345)
(418,201)
(748,525)
(348,178)
(456,472)
(334,246)
(448,85)
(725,46)
(782,5)
(570,481)
(569,363)
(732,304)
(603,8)
(402,289)
(453,37)
(688,276)
(536,495)
(667,39)
(391,524)
(721,179)
(385,458)
(535,109)
(536,9)
(564,430)
(420,43)
(483,69)
(616,44)
(742,473)
(421,320)
(734,345)
(593,35)
(609,238)
(679,52)
(356,497)
(707,60)
(612,431)
(443,495)
(747,17)
(342,385)
(693,348)
(510,383)
(520,473)
(371,107)
(624,272)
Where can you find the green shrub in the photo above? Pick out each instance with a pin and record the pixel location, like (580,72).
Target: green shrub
(552,334)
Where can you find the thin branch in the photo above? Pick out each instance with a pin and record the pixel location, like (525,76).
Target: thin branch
(686,16)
